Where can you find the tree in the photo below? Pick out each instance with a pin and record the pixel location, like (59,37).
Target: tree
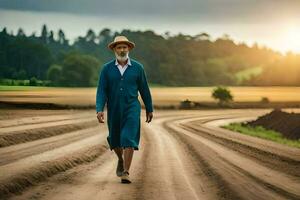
(222,94)
(61,37)
(20,33)
(169,60)
(90,36)
(54,74)
(22,74)
(4,31)
(23,53)
(79,70)
(33,81)
(44,34)
(201,36)
(104,36)
(51,37)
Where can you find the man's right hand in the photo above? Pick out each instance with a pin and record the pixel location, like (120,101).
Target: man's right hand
(100,117)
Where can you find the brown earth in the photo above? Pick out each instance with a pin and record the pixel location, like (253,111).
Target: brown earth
(288,124)
(181,156)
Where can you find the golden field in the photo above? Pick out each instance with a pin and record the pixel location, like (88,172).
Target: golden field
(161,95)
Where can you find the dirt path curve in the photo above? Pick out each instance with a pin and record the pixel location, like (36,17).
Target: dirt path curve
(182,156)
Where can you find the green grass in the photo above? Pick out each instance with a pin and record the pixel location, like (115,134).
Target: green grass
(247,73)
(261,132)
(19,88)
(29,88)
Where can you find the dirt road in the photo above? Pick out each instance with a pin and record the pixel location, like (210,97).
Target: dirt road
(183,155)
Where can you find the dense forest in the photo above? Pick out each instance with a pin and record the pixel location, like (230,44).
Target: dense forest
(178,60)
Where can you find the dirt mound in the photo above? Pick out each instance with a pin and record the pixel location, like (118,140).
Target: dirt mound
(286,123)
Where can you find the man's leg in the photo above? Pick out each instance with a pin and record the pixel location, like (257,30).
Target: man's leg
(120,166)
(119,152)
(128,154)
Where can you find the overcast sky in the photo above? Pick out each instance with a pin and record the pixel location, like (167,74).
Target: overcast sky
(274,23)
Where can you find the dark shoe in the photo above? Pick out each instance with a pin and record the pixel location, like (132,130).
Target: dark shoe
(120,168)
(125,178)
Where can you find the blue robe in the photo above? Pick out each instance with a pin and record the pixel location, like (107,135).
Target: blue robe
(123,107)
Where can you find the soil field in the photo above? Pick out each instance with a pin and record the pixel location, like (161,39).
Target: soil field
(50,154)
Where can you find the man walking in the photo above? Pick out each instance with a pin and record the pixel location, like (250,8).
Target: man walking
(118,86)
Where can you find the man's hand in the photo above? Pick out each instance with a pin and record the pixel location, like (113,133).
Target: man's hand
(100,117)
(149,116)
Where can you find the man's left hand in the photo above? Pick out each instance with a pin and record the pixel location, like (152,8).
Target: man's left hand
(149,116)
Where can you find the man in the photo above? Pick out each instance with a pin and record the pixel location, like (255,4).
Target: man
(118,86)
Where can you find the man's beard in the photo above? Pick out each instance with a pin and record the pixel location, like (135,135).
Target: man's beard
(123,57)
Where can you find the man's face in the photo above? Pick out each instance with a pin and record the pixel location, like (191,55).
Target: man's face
(121,49)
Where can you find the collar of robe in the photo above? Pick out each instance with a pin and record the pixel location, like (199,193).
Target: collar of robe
(128,62)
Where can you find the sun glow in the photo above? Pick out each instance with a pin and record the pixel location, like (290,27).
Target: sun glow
(292,39)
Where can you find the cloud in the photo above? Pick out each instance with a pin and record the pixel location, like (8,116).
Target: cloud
(214,11)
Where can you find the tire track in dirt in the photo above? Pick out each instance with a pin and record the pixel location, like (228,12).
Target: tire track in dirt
(43,131)
(103,178)
(44,119)
(11,185)
(44,125)
(12,153)
(175,161)
(96,180)
(169,173)
(285,164)
(257,175)
(18,182)
(18,137)
(24,172)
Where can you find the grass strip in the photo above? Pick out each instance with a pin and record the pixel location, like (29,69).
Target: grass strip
(261,132)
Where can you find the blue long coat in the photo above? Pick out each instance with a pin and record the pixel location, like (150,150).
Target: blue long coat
(123,107)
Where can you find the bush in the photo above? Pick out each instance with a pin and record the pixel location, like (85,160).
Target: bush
(223,95)
(185,104)
(54,74)
(265,100)
(33,81)
(79,70)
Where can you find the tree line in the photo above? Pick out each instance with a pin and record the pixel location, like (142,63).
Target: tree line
(169,60)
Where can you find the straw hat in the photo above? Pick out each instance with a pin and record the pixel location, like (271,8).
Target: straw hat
(121,39)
